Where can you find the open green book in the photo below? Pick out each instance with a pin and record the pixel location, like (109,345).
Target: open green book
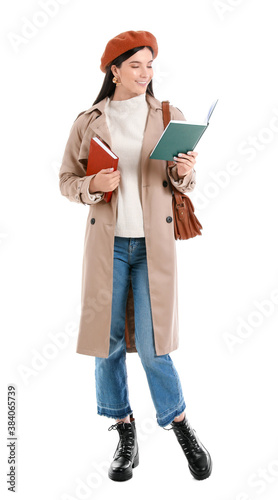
(179,137)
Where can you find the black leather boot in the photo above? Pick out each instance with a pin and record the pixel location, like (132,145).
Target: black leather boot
(198,457)
(126,456)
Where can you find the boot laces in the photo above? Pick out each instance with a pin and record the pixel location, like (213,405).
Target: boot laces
(185,435)
(126,439)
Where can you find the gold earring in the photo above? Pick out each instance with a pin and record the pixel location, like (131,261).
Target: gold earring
(116,81)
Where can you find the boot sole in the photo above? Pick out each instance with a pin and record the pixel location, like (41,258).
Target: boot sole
(127,474)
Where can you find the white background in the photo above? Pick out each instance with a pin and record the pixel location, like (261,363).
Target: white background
(227,276)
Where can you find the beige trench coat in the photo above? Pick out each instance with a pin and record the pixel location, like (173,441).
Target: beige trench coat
(97,270)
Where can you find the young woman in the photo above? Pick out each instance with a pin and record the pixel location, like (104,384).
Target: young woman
(129,297)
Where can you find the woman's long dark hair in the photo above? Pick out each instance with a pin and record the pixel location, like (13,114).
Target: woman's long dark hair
(108,87)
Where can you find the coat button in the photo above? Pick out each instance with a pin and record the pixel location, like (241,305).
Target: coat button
(165,184)
(169,219)
(93,220)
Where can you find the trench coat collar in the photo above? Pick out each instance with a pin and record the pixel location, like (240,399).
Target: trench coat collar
(100,127)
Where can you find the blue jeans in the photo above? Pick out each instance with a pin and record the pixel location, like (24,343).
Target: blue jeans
(130,263)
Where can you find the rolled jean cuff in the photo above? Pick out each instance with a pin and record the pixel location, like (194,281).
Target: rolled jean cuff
(120,412)
(165,418)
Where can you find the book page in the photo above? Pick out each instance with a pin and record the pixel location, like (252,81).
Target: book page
(104,147)
(211,110)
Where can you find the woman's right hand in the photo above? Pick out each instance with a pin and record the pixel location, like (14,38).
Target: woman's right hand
(105,180)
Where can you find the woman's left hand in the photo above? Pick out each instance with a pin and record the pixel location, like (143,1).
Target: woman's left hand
(185,162)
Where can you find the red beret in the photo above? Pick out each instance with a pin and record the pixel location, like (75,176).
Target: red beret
(124,42)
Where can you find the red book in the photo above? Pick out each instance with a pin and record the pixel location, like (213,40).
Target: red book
(101,156)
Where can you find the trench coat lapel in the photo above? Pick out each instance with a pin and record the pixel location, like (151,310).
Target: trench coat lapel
(99,125)
(100,128)
(152,132)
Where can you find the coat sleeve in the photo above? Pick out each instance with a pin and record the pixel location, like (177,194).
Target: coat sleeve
(186,182)
(73,182)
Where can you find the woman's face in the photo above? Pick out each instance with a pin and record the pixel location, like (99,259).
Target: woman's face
(134,75)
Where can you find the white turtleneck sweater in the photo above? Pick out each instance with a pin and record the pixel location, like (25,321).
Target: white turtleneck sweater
(126,121)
